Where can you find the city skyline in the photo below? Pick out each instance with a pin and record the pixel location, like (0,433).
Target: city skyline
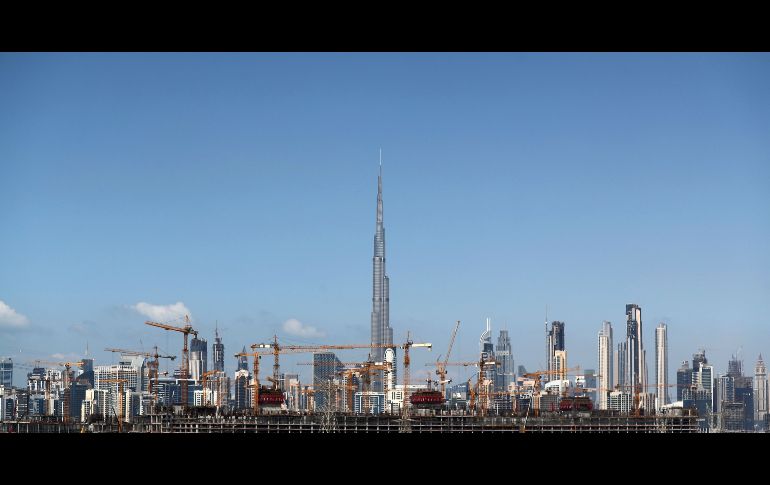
(261,222)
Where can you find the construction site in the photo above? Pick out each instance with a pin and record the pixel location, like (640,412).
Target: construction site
(342,399)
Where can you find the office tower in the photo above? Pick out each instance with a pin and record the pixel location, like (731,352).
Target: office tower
(697,358)
(725,392)
(381,332)
(554,340)
(326,365)
(683,379)
(521,370)
(661,365)
(504,357)
(6,371)
(606,382)
(198,358)
(734,367)
(218,350)
(243,361)
(621,366)
(760,392)
(635,356)
(242,386)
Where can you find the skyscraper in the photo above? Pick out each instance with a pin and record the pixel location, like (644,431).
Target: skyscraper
(487,351)
(605,366)
(554,340)
(635,357)
(661,364)
(199,350)
(326,367)
(382,334)
(243,361)
(218,350)
(760,392)
(504,357)
(621,364)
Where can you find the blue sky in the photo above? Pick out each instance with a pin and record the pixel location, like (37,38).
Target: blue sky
(244,187)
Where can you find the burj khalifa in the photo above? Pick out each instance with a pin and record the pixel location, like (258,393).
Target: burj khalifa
(381,331)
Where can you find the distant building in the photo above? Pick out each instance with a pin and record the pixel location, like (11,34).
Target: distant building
(369,402)
(504,357)
(242,380)
(6,371)
(683,379)
(326,366)
(198,358)
(218,350)
(620,401)
(636,367)
(621,366)
(243,361)
(725,392)
(605,381)
(559,365)
(554,340)
(760,393)
(590,384)
(661,365)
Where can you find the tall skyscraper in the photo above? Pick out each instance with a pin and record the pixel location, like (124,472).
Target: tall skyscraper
(199,350)
(382,334)
(760,392)
(661,364)
(606,382)
(635,357)
(554,340)
(326,367)
(504,356)
(218,350)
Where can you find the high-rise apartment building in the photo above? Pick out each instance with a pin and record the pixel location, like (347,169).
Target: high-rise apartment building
(661,365)
(605,378)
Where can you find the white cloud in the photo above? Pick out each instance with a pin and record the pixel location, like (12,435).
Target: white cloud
(162,313)
(299,329)
(9,318)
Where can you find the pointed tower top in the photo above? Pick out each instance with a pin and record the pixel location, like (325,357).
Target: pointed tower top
(379,193)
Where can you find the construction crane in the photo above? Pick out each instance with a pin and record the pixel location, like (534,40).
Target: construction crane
(186,330)
(278,349)
(120,400)
(255,395)
(441,366)
(406,346)
(154,366)
(65,382)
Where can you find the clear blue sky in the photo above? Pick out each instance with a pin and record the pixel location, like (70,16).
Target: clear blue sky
(244,186)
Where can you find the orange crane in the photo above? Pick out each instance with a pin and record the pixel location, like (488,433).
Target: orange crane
(441,366)
(186,330)
(120,400)
(154,366)
(406,346)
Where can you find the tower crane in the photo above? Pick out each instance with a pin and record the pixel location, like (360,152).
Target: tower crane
(153,364)
(441,366)
(65,381)
(184,371)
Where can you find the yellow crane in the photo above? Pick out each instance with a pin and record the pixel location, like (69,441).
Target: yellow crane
(186,330)
(66,377)
(441,366)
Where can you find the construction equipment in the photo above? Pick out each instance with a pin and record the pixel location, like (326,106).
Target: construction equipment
(441,366)
(120,400)
(406,346)
(66,378)
(186,330)
(204,378)
(153,365)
